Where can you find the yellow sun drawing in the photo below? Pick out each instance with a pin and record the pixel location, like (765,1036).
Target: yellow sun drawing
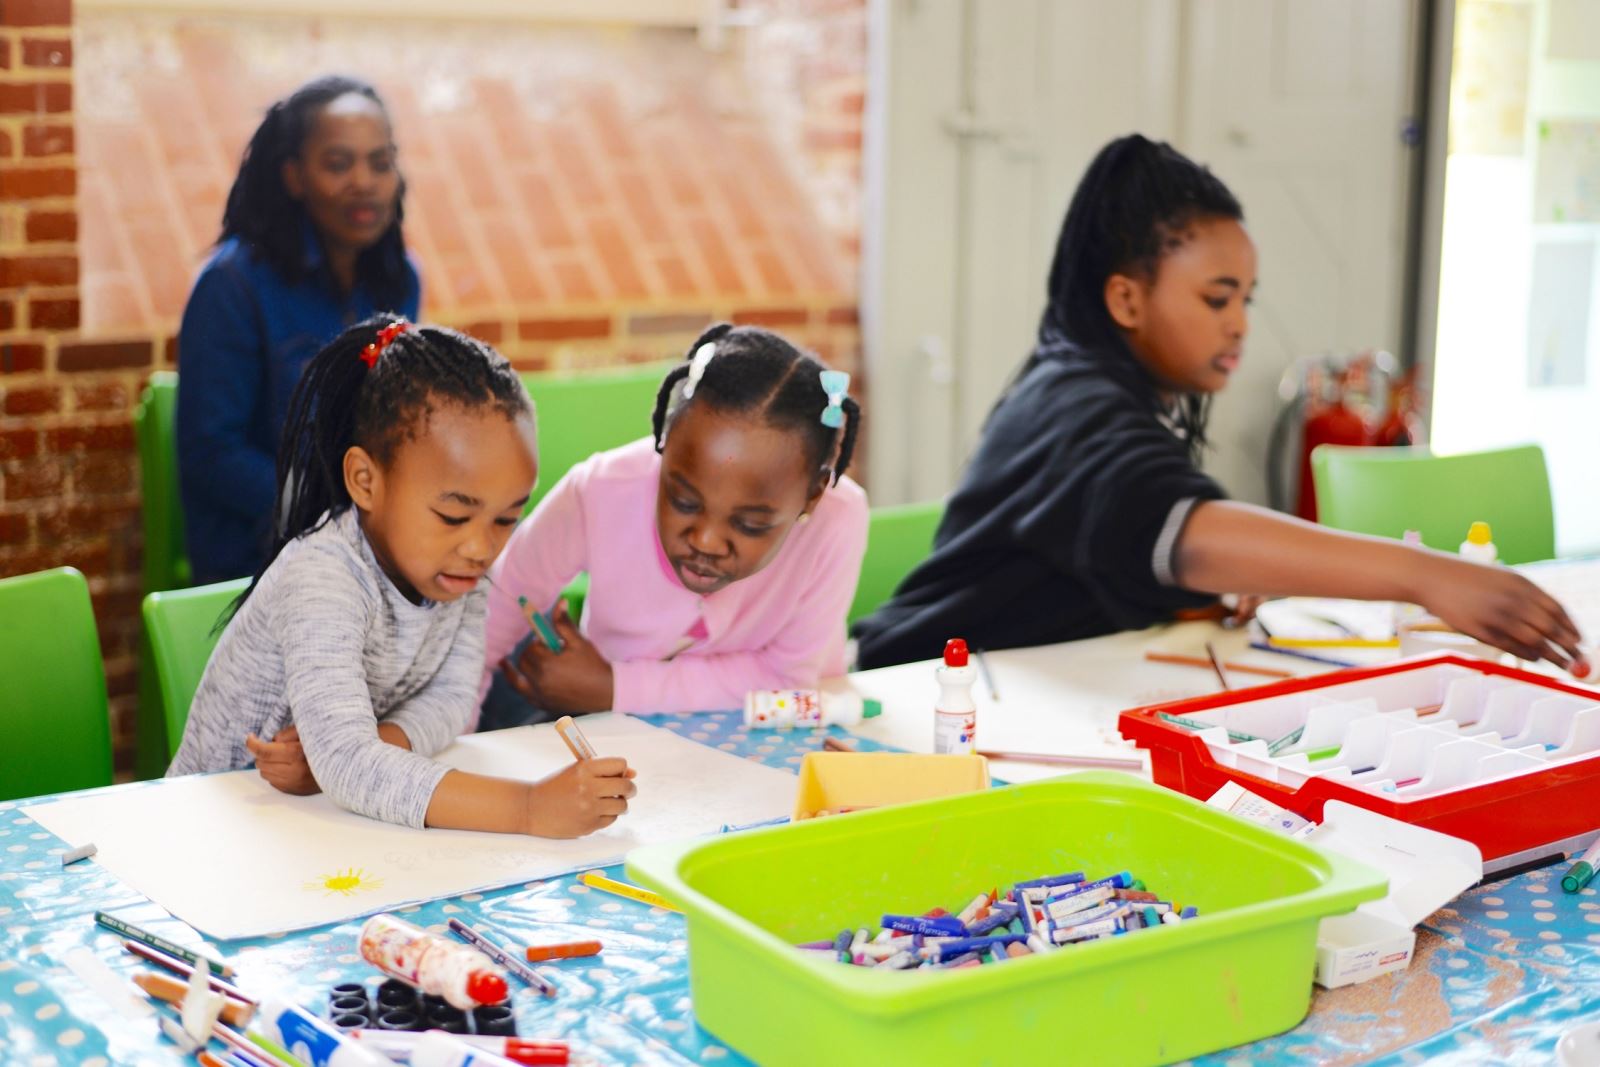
(348,882)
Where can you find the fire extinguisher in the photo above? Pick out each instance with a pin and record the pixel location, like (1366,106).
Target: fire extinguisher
(1358,400)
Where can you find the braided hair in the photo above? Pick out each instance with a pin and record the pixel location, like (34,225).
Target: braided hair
(757,371)
(1132,206)
(262,214)
(340,402)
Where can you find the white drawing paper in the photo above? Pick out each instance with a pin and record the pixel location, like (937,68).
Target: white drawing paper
(234,858)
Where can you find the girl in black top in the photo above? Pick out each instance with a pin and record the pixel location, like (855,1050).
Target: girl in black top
(1084,510)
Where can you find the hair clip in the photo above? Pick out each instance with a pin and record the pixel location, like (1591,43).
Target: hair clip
(697,367)
(836,383)
(370,354)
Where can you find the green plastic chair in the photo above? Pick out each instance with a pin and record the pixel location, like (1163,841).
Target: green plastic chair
(55,725)
(581,414)
(1386,491)
(166,566)
(182,624)
(898,538)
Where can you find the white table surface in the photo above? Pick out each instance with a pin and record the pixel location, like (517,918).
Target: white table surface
(1065,698)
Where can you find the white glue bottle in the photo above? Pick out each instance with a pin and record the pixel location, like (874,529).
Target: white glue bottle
(955,717)
(785,709)
(1479,546)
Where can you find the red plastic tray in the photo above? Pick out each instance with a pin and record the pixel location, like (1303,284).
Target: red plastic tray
(1501,817)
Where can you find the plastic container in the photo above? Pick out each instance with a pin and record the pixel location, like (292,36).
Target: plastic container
(955,716)
(1520,771)
(1239,973)
(785,709)
(834,780)
(1479,545)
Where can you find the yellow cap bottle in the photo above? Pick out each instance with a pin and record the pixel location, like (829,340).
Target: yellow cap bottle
(1479,545)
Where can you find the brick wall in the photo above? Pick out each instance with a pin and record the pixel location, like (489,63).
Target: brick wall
(612,231)
(68,492)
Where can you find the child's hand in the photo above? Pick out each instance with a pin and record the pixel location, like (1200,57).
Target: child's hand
(587,796)
(282,763)
(1497,605)
(575,680)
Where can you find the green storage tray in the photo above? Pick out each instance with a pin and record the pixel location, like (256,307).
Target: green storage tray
(1239,972)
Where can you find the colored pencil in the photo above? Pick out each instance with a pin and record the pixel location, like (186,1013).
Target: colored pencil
(595,880)
(1334,642)
(1200,661)
(1216,665)
(547,633)
(1264,646)
(577,744)
(127,929)
(501,956)
(234,1012)
(177,966)
(837,744)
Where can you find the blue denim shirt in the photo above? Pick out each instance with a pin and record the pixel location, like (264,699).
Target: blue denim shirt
(246,336)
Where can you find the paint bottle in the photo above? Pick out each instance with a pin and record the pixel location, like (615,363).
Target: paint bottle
(439,1049)
(955,716)
(785,709)
(312,1041)
(1479,546)
(460,974)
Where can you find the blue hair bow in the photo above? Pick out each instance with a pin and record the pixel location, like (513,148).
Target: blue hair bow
(836,383)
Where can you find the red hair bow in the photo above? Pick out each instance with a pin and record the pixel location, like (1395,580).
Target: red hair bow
(370,354)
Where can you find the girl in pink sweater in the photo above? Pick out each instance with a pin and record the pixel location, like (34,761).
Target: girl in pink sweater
(722,553)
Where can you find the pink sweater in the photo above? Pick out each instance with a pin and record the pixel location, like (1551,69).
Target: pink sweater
(782,627)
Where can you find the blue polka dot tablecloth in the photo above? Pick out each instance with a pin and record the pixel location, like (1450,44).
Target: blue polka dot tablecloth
(1499,975)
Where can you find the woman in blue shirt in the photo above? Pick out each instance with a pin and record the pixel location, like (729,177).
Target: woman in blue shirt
(310,244)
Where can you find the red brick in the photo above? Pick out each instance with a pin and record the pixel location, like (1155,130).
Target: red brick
(15,529)
(84,520)
(20,560)
(674,322)
(771,317)
(5,143)
(19,444)
(34,183)
(17,271)
(46,226)
(5,54)
(101,474)
(169,352)
(102,437)
(490,333)
(19,357)
(843,317)
(100,396)
(851,103)
(36,13)
(35,98)
(53,139)
(34,479)
(52,314)
(563,329)
(8,315)
(34,400)
(103,355)
(46,52)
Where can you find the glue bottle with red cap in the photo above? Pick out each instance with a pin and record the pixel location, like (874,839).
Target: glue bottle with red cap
(955,716)
(460,974)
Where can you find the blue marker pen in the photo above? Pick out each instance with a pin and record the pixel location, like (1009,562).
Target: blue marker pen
(941,926)
(1053,880)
